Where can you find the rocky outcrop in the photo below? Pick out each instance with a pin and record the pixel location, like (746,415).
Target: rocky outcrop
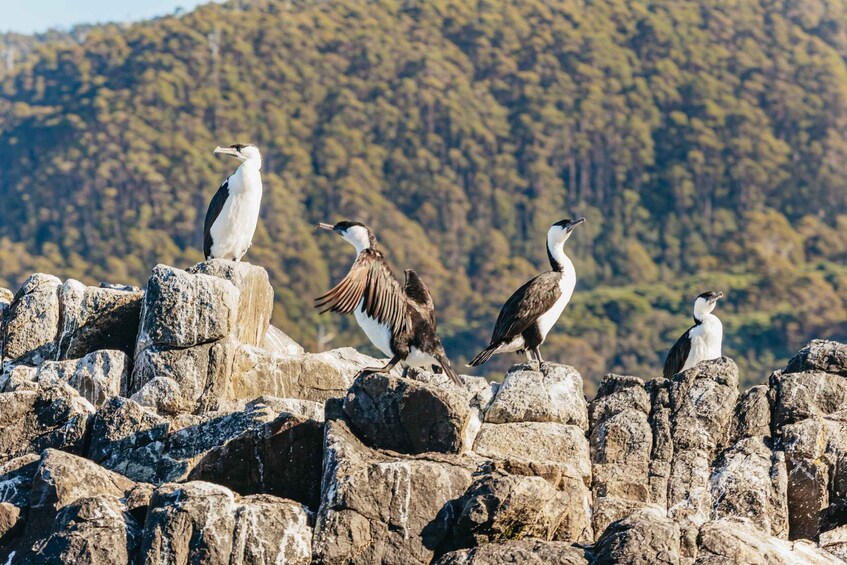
(175,425)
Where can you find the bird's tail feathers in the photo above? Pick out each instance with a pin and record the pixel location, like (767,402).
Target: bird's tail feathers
(445,364)
(484,355)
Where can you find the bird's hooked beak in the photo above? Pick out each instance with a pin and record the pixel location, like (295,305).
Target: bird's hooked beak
(575,223)
(324,226)
(226,151)
(715,298)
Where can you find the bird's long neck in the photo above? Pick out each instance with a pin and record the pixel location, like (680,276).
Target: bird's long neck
(248,177)
(559,261)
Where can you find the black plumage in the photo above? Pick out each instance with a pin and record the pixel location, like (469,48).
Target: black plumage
(520,313)
(678,354)
(408,311)
(215,207)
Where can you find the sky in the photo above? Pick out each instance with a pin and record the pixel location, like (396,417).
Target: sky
(33,16)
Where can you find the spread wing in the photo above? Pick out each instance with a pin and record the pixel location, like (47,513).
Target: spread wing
(369,280)
(525,306)
(418,293)
(677,356)
(215,207)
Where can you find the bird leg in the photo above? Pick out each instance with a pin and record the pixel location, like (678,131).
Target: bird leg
(387,369)
(536,354)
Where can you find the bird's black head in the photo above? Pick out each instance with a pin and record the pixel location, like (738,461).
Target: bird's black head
(568,224)
(711,296)
(355,233)
(705,303)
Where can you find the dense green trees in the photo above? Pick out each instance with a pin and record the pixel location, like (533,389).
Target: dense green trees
(704,141)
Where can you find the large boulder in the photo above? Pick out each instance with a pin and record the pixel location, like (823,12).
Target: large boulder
(53,416)
(750,481)
(645,537)
(820,355)
(128,439)
(543,442)
(620,439)
(189,523)
(527,551)
(97,377)
(271,530)
(181,309)
(282,458)
(553,394)
(313,376)
(737,540)
(202,374)
(255,296)
(94,530)
(702,404)
(95,318)
(382,508)
(502,506)
(406,415)
(32,321)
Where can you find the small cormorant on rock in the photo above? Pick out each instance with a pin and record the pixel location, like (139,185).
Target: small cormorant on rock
(234,210)
(701,342)
(534,308)
(399,321)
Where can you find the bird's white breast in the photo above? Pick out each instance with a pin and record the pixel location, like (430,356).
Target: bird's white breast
(233,229)
(378,333)
(566,285)
(706,341)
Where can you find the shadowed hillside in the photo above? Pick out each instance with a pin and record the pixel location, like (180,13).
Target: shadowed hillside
(703,141)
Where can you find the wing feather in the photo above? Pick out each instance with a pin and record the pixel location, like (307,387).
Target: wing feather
(525,306)
(419,294)
(212,213)
(370,282)
(678,355)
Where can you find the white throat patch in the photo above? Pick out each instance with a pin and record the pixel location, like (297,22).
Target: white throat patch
(358,237)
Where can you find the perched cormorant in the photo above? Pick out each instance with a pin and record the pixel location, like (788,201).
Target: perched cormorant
(399,321)
(701,342)
(534,308)
(234,210)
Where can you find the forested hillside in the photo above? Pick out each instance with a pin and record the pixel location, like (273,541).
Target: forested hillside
(704,141)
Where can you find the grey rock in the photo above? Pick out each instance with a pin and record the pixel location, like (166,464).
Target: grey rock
(282,458)
(553,394)
(16,479)
(202,373)
(18,378)
(128,439)
(835,542)
(546,442)
(162,395)
(528,551)
(408,416)
(32,321)
(54,416)
(661,453)
(10,517)
(752,414)
(271,530)
(750,481)
(277,341)
(182,309)
(97,318)
(93,530)
(646,537)
(316,377)
(500,506)
(804,395)
(189,523)
(381,508)
(255,296)
(737,540)
(97,376)
(702,402)
(820,355)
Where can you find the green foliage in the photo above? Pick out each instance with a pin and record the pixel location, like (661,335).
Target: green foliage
(704,141)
